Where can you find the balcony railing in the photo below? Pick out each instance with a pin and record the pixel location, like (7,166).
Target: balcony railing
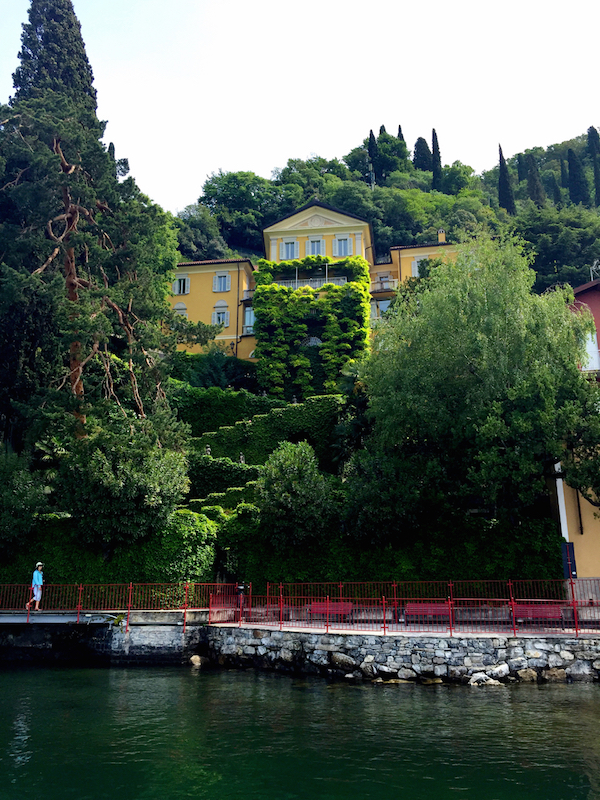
(387,285)
(314,283)
(247,330)
(248,294)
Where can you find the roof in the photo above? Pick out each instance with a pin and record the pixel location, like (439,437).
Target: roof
(427,245)
(595,284)
(318,204)
(215,261)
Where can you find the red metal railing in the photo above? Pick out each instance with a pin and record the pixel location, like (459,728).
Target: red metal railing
(570,606)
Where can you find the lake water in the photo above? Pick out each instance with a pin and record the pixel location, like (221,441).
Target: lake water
(174,733)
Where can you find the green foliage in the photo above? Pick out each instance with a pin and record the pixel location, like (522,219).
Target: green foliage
(215,367)
(22,498)
(465,436)
(184,550)
(506,197)
(288,320)
(198,235)
(230,499)
(579,190)
(422,157)
(53,54)
(436,164)
(208,475)
(208,409)
(313,421)
(535,190)
(118,483)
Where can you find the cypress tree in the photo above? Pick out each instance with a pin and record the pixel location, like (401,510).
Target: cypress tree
(593,141)
(554,189)
(400,135)
(579,191)
(506,198)
(596,179)
(53,54)
(564,174)
(373,154)
(535,190)
(436,163)
(382,130)
(521,167)
(422,158)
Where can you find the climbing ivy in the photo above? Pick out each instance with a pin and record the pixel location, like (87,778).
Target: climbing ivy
(286,318)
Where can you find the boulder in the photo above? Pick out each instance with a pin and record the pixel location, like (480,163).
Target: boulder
(343,662)
(554,675)
(527,675)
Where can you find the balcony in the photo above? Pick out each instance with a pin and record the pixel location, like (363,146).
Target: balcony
(386,285)
(314,283)
(248,294)
(247,330)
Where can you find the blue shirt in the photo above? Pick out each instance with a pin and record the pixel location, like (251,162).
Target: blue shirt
(38,578)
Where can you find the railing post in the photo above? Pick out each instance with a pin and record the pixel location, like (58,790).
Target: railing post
(79,601)
(383,607)
(512,609)
(210,594)
(450,606)
(281,606)
(396,616)
(185,605)
(327,617)
(129,607)
(574,601)
(250,601)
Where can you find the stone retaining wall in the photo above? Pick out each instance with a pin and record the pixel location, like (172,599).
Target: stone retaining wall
(473,659)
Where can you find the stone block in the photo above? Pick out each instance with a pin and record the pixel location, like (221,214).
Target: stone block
(527,675)
(501,671)
(342,661)
(554,675)
(580,671)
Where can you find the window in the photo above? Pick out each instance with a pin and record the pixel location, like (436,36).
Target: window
(222,282)
(181,285)
(315,247)
(180,309)
(415,266)
(342,245)
(220,315)
(248,320)
(289,249)
(593,356)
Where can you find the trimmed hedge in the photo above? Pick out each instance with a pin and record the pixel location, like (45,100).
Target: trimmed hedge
(229,499)
(184,551)
(313,421)
(209,474)
(208,409)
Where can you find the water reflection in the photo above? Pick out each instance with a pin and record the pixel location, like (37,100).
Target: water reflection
(178,733)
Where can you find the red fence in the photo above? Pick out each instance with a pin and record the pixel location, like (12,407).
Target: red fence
(509,607)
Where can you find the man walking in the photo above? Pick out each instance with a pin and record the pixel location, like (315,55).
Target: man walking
(37,582)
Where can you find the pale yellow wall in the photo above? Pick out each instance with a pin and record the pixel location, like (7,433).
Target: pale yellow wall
(201,299)
(403,260)
(587,544)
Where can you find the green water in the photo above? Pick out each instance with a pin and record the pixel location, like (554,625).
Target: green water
(175,733)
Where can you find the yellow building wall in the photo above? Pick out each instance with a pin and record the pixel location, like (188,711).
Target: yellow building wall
(404,259)
(201,300)
(584,533)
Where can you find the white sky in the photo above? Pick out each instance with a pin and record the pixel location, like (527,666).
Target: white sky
(192,86)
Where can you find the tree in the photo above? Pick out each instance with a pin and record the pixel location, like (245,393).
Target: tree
(297,502)
(521,167)
(400,134)
(535,190)
(564,174)
(468,437)
(422,158)
(198,235)
(436,163)
(596,163)
(579,190)
(53,54)
(593,141)
(506,198)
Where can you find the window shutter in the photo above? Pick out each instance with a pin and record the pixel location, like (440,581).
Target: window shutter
(229,283)
(227,319)
(213,319)
(307,248)
(174,286)
(335,247)
(187,285)
(215,284)
(349,246)
(281,251)
(296,249)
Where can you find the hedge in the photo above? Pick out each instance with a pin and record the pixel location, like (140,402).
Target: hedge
(313,421)
(228,499)
(184,551)
(209,474)
(208,409)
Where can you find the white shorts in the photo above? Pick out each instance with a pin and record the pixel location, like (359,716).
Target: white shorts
(37,593)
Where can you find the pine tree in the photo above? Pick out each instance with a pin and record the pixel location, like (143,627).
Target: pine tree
(506,198)
(422,158)
(579,191)
(53,54)
(436,163)
(535,190)
(521,167)
(400,135)
(593,141)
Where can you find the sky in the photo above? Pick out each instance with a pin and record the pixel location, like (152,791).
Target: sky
(191,87)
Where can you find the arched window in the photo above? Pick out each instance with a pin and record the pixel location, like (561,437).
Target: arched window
(181,309)
(220,315)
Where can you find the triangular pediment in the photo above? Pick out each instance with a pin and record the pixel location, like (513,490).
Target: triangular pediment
(315,221)
(315,218)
